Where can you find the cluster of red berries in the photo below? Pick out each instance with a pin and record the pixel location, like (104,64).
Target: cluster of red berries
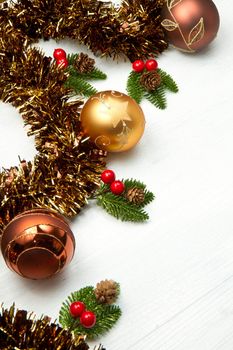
(78,310)
(116,186)
(60,57)
(138,65)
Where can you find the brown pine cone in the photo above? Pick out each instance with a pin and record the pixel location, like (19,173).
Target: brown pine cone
(150,80)
(84,64)
(135,195)
(106,292)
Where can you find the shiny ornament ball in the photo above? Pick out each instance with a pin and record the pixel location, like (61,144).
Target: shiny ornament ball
(37,244)
(113,121)
(88,319)
(190,25)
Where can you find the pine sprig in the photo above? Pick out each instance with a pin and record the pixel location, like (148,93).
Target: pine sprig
(80,86)
(120,208)
(106,315)
(134,89)
(168,81)
(78,82)
(158,96)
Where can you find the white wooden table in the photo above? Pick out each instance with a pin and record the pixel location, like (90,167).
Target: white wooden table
(176,271)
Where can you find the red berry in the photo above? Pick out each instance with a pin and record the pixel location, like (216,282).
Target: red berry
(117,187)
(77,308)
(59,54)
(138,66)
(151,64)
(88,319)
(108,176)
(62,63)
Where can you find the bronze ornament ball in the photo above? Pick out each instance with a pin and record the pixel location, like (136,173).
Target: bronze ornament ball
(37,244)
(190,25)
(113,121)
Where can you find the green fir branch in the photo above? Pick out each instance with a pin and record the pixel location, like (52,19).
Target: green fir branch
(134,88)
(106,315)
(120,208)
(95,74)
(80,86)
(71,57)
(168,81)
(157,97)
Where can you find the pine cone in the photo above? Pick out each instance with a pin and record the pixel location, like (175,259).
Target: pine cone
(135,195)
(150,80)
(106,292)
(84,64)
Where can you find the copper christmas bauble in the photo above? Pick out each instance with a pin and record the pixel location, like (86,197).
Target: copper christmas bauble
(113,120)
(37,244)
(190,25)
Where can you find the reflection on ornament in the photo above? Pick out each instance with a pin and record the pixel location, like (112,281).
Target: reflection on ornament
(113,120)
(37,244)
(190,24)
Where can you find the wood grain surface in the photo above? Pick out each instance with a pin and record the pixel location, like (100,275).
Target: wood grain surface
(176,271)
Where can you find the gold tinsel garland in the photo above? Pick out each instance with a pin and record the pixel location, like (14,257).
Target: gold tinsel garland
(132,29)
(66,169)
(20,330)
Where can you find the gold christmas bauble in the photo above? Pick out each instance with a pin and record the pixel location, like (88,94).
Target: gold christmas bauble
(190,25)
(113,120)
(37,244)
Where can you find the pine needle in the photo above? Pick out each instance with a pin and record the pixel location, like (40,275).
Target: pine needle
(134,89)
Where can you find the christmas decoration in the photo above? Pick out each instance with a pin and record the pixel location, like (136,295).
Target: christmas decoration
(84,64)
(20,330)
(98,317)
(113,120)
(117,187)
(122,207)
(82,68)
(151,85)
(77,308)
(108,176)
(88,319)
(138,65)
(135,195)
(150,80)
(59,54)
(62,63)
(107,291)
(151,64)
(53,180)
(37,244)
(132,29)
(190,24)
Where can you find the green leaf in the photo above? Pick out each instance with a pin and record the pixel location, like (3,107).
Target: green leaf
(168,82)
(120,208)
(157,97)
(106,315)
(134,88)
